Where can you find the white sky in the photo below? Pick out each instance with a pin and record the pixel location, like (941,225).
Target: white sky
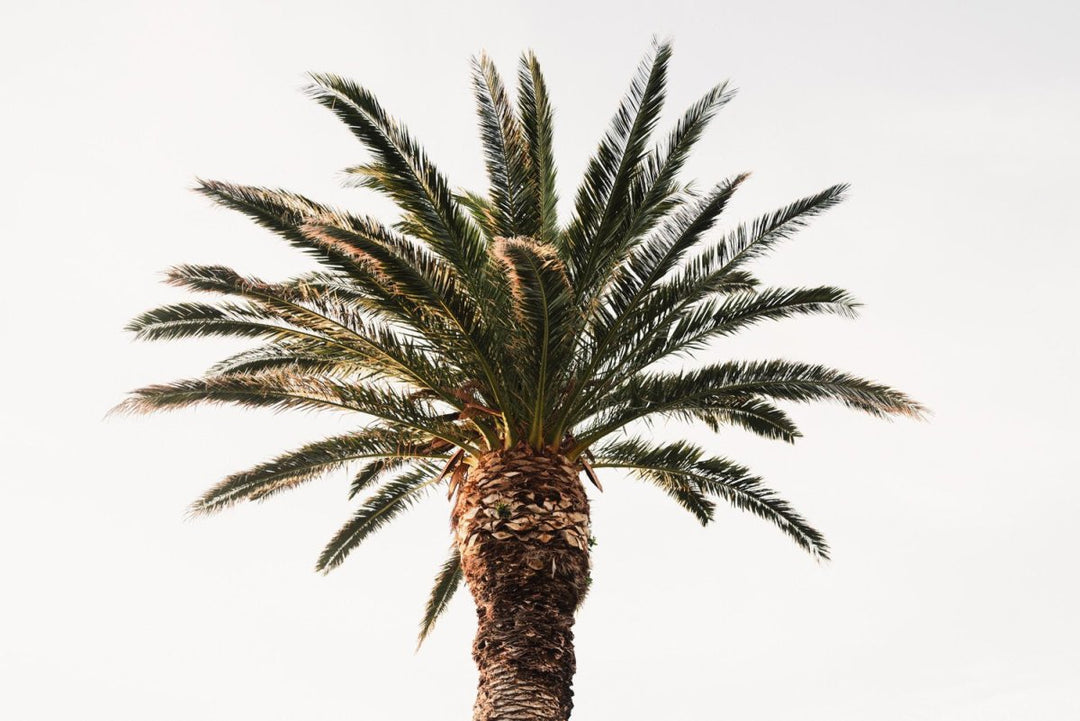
(953,588)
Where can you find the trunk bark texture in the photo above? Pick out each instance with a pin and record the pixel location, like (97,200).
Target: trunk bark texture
(521,521)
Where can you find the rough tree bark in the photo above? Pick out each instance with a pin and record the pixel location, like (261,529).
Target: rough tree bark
(521,523)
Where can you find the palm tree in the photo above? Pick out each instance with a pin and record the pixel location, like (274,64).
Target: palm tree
(500,354)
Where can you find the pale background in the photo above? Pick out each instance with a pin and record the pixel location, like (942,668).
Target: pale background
(953,590)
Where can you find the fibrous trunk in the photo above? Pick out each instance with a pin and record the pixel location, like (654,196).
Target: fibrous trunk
(522,527)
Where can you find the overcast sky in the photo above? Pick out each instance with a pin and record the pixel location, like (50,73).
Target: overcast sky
(953,589)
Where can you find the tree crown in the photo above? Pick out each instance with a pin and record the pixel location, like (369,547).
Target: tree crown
(480,321)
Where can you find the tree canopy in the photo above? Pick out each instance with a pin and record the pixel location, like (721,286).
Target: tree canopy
(479,321)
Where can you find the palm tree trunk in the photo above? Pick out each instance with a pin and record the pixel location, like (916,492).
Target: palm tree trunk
(522,527)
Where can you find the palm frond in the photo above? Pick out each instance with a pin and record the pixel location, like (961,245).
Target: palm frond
(402,268)
(200,320)
(635,280)
(312,461)
(387,503)
(698,391)
(534,109)
(301,355)
(628,311)
(482,211)
(376,468)
(293,348)
(473,342)
(712,476)
(748,493)
(545,307)
(447,582)
(603,195)
(287,214)
(712,271)
(729,315)
(751,414)
(654,192)
(281,212)
(751,240)
(336,324)
(404,172)
(800,382)
(283,390)
(277,391)
(506,156)
(662,165)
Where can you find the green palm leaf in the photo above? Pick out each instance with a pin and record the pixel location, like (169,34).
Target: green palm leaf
(751,414)
(749,241)
(446,585)
(280,390)
(403,171)
(312,461)
(513,194)
(544,304)
(712,476)
(303,355)
(718,318)
(535,111)
(716,386)
(386,504)
(601,204)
